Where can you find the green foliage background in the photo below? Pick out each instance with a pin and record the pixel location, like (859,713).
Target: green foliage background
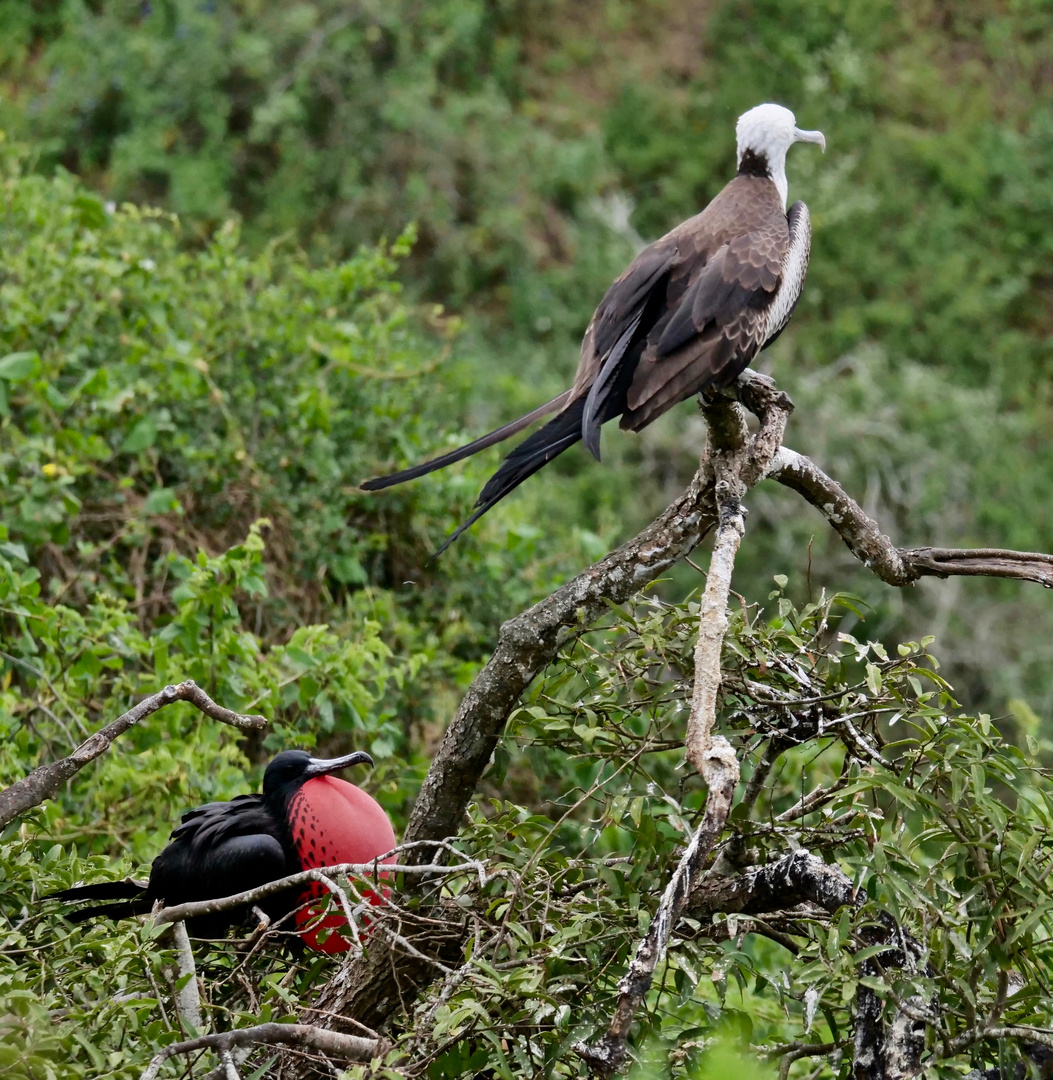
(251,253)
(534,142)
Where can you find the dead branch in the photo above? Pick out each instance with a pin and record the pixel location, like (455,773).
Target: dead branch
(797,878)
(713,620)
(344,1047)
(532,639)
(900,566)
(45,782)
(727,456)
(187,997)
(735,463)
(323,875)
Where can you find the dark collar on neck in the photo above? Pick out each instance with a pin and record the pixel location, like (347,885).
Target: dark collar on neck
(754,164)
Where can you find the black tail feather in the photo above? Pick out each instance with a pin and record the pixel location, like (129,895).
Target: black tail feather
(101,890)
(498,435)
(610,383)
(531,454)
(131,897)
(122,909)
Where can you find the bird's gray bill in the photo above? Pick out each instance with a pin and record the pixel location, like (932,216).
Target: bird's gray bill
(324,766)
(816,137)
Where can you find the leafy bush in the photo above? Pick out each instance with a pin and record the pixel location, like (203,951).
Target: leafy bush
(157,400)
(933,815)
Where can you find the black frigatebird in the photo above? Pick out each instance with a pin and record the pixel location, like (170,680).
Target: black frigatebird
(692,310)
(304,818)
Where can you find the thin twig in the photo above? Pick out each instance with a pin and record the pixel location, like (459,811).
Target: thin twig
(346,1047)
(323,875)
(46,782)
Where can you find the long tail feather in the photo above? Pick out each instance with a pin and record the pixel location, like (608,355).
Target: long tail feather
(131,897)
(101,890)
(122,909)
(531,454)
(609,382)
(496,436)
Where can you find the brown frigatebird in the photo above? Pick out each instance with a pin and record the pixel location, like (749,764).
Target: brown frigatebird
(692,310)
(304,818)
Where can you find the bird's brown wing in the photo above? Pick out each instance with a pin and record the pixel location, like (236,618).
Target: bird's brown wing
(621,308)
(717,327)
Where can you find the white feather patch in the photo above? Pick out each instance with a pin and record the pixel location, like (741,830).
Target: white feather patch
(794,268)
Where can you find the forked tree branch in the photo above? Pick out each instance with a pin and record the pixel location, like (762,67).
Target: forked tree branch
(46,782)
(735,462)
(900,566)
(531,640)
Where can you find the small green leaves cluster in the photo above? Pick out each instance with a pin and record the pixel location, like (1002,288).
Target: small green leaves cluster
(935,817)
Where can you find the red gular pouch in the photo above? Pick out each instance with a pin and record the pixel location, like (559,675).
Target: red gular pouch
(332,822)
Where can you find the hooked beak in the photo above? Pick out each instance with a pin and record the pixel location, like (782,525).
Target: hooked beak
(816,137)
(324,766)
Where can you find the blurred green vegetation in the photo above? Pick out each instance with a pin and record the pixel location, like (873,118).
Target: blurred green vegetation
(535,142)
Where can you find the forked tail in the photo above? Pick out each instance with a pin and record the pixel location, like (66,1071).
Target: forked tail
(559,434)
(498,435)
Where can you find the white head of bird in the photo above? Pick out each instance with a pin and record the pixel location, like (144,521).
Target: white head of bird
(764,135)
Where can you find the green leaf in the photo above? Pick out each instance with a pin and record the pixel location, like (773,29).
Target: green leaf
(14,551)
(160,501)
(18,366)
(91,212)
(874,679)
(142,435)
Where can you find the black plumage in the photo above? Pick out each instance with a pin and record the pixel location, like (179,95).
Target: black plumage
(220,849)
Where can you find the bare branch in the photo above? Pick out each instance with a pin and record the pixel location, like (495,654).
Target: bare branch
(45,782)
(188,1000)
(230,1068)
(735,463)
(792,1052)
(344,1047)
(868,1061)
(530,641)
(1041,1036)
(797,878)
(815,798)
(713,622)
(900,566)
(323,875)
